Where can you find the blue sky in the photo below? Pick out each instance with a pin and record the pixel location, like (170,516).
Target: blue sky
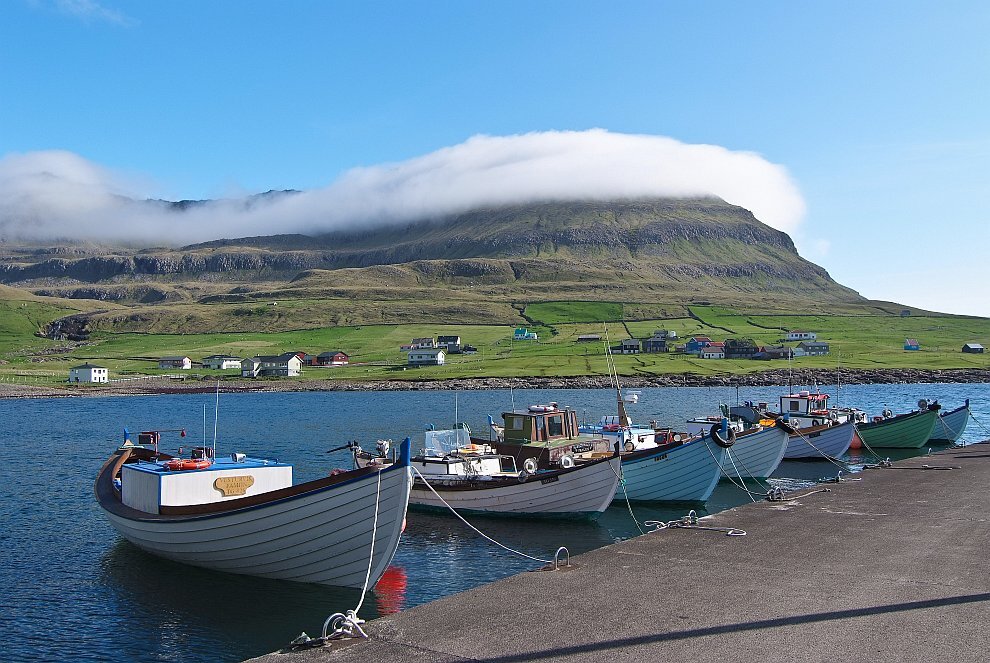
(877,111)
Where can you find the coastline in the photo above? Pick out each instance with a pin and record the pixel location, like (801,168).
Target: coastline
(239,385)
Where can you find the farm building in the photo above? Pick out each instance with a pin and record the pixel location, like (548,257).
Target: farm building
(427,357)
(798,335)
(973,348)
(221,362)
(740,348)
(714,350)
(184,363)
(587,338)
(88,373)
(423,343)
(911,344)
(333,358)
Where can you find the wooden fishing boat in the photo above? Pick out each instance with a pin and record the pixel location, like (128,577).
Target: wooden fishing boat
(243,515)
(674,472)
(472,478)
(950,426)
(828,440)
(757,452)
(902,431)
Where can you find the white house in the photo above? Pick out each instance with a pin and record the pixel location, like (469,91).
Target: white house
(427,357)
(423,343)
(523,334)
(798,335)
(221,362)
(175,362)
(285,365)
(711,352)
(88,373)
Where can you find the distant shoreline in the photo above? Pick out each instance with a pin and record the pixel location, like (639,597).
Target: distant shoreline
(800,377)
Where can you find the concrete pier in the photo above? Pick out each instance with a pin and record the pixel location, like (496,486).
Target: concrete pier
(890,565)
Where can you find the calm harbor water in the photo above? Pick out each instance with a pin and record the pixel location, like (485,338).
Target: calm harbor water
(73,590)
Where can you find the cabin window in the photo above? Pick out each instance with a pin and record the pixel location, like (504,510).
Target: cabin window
(541,424)
(794,405)
(555,426)
(515,423)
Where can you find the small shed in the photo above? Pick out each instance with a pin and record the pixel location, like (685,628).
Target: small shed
(90,373)
(587,338)
(911,344)
(973,348)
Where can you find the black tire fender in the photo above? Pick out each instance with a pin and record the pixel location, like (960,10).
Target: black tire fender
(716,433)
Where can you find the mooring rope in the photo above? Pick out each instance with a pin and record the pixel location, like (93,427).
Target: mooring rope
(741,485)
(690,521)
(476,530)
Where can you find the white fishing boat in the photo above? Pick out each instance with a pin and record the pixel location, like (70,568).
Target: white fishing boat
(816,442)
(950,425)
(241,514)
(455,472)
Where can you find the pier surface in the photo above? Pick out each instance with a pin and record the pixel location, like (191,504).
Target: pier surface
(892,567)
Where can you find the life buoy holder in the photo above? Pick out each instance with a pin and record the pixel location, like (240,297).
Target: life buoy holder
(629,446)
(567,461)
(887,414)
(724,442)
(529,465)
(179,464)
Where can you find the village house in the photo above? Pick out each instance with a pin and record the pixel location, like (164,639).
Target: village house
(657,342)
(523,334)
(813,348)
(423,343)
(774,352)
(740,348)
(221,362)
(629,346)
(88,373)
(452,344)
(334,358)
(695,344)
(798,335)
(184,363)
(284,365)
(973,348)
(911,344)
(714,350)
(427,357)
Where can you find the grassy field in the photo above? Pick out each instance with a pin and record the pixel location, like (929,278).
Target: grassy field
(857,341)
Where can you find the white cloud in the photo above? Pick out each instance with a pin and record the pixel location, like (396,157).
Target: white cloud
(47,195)
(90,10)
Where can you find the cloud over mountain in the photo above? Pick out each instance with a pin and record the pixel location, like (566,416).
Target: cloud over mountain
(59,195)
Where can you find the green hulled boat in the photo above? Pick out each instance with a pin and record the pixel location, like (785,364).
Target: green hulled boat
(905,431)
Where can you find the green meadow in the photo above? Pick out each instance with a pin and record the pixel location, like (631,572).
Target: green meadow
(856,341)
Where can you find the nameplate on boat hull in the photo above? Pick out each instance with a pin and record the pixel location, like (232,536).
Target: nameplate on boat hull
(232,486)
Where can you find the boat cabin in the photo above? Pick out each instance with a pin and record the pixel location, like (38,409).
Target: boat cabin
(151,486)
(540,423)
(803,403)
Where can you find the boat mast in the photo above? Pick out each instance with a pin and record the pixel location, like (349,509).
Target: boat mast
(624,419)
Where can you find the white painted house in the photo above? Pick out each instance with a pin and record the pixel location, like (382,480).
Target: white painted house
(88,373)
(427,357)
(221,362)
(798,335)
(285,365)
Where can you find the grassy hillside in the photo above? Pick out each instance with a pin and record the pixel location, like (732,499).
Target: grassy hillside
(857,341)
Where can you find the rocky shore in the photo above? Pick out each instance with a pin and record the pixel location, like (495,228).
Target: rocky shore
(765,378)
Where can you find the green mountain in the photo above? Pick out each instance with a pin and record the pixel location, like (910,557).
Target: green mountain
(482,266)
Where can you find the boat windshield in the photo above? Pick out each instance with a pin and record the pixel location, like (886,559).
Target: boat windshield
(440,442)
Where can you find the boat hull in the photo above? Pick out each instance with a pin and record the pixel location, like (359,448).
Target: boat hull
(819,442)
(580,492)
(320,536)
(950,426)
(685,473)
(756,455)
(906,431)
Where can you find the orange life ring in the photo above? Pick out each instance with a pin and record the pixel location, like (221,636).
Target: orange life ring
(188,463)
